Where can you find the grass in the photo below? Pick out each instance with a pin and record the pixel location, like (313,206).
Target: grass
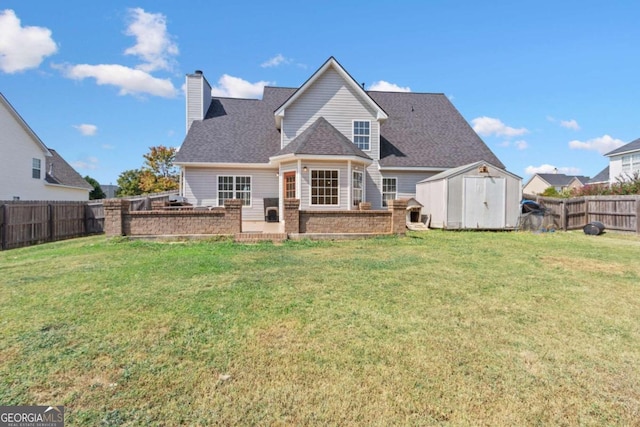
(437,328)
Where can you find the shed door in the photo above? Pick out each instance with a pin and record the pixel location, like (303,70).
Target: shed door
(484,202)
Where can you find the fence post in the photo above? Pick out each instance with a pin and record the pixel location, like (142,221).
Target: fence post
(52,222)
(3,220)
(637,215)
(563,215)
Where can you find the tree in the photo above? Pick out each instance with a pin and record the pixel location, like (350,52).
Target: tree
(129,183)
(97,192)
(159,173)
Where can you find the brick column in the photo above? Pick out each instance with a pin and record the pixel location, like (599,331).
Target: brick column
(114,209)
(233,212)
(291,216)
(398,210)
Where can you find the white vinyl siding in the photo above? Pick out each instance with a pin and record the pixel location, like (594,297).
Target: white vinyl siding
(201,188)
(198,98)
(19,149)
(332,98)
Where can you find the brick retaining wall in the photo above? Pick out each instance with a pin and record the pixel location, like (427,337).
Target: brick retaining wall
(119,221)
(345,222)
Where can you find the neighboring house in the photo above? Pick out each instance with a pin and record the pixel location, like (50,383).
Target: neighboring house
(624,161)
(541,181)
(30,170)
(601,178)
(329,143)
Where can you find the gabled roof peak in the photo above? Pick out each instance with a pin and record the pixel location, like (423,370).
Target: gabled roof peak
(333,64)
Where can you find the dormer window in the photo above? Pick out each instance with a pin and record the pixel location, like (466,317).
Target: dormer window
(362,134)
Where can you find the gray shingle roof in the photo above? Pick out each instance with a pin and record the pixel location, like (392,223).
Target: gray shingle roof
(560,179)
(61,173)
(423,130)
(236,131)
(632,146)
(321,138)
(602,176)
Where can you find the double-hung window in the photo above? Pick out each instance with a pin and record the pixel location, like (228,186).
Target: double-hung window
(362,134)
(36,167)
(631,163)
(324,187)
(389,190)
(357,185)
(234,187)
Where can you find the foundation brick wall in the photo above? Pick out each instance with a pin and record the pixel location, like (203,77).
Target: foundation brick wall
(365,221)
(345,222)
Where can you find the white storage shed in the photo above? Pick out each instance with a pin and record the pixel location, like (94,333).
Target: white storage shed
(474,196)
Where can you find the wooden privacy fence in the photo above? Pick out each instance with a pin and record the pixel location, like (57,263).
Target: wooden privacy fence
(24,223)
(615,212)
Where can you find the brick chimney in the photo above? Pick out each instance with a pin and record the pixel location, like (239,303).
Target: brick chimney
(198,97)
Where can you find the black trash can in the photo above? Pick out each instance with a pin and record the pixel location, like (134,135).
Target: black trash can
(594,228)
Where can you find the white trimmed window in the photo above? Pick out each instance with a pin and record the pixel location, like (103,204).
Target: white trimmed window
(234,187)
(631,163)
(362,134)
(324,187)
(36,168)
(357,186)
(389,189)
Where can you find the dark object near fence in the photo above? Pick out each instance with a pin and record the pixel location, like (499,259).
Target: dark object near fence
(271,209)
(594,228)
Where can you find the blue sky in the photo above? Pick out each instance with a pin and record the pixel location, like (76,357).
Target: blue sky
(547,84)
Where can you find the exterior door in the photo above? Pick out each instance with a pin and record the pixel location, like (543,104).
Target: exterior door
(290,185)
(484,202)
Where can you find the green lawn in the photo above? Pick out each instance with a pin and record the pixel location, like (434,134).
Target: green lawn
(458,328)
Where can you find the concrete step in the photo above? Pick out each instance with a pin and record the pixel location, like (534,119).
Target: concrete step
(417,226)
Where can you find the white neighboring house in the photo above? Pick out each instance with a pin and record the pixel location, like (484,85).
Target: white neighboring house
(624,161)
(30,170)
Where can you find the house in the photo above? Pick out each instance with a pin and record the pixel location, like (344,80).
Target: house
(474,196)
(329,143)
(624,161)
(541,181)
(31,171)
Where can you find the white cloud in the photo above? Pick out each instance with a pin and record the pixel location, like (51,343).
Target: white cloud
(129,80)
(235,87)
(570,124)
(545,168)
(153,43)
(90,163)
(487,126)
(275,61)
(521,144)
(602,144)
(22,48)
(383,86)
(86,129)
(108,146)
